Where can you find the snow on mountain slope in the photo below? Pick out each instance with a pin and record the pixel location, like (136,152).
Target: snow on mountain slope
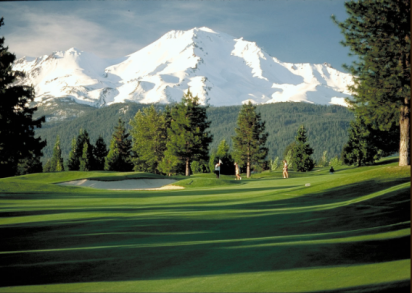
(218,68)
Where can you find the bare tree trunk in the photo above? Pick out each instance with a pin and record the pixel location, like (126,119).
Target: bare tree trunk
(248,169)
(404,145)
(187,173)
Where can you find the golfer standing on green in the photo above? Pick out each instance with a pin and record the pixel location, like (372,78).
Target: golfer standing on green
(217,169)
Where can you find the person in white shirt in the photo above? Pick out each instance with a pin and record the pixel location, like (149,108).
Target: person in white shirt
(217,169)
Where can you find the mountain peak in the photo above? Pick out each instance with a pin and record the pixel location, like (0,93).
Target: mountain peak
(220,69)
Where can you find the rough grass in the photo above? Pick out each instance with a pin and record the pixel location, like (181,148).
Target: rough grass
(349,231)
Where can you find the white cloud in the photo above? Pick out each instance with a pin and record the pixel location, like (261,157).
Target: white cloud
(53,32)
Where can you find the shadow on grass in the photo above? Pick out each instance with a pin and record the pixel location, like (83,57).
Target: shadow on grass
(389,287)
(161,247)
(164,241)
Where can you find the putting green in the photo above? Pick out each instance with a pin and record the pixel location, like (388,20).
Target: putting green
(349,231)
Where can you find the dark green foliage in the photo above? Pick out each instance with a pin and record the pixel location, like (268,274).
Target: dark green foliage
(73,160)
(99,152)
(212,161)
(56,163)
(378,32)
(290,148)
(17,142)
(149,133)
(364,146)
(188,138)
(46,167)
(249,141)
(97,121)
(86,159)
(223,154)
(76,153)
(118,158)
(29,165)
(171,164)
(326,125)
(301,153)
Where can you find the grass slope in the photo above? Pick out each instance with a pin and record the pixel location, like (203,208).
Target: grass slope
(349,231)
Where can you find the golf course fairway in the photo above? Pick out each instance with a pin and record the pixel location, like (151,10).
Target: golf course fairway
(345,232)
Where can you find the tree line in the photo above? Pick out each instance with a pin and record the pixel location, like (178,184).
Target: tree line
(165,142)
(326,126)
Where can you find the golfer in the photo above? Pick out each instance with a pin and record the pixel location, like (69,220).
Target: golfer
(285,169)
(237,172)
(217,169)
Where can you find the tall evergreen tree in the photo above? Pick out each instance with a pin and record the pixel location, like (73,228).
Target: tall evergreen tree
(149,135)
(118,158)
(188,138)
(378,32)
(212,161)
(99,152)
(17,141)
(46,167)
(56,163)
(361,148)
(76,152)
(85,161)
(301,153)
(249,141)
(170,164)
(73,160)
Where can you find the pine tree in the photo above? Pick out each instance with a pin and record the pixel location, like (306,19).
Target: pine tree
(46,167)
(301,159)
(17,137)
(274,164)
(249,141)
(212,161)
(170,164)
(149,135)
(29,165)
(360,148)
(223,154)
(85,164)
(56,163)
(59,166)
(76,152)
(378,32)
(188,138)
(99,152)
(73,160)
(118,158)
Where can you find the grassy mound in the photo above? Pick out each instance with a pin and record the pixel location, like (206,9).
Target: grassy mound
(349,231)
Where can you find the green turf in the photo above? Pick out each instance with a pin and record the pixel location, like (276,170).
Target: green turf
(346,232)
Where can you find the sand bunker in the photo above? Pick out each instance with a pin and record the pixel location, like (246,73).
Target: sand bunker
(130,184)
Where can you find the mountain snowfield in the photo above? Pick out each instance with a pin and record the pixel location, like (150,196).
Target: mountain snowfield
(220,69)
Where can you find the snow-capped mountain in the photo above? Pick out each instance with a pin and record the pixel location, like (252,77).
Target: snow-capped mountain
(218,68)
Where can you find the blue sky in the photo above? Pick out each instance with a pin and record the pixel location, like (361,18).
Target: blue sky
(297,31)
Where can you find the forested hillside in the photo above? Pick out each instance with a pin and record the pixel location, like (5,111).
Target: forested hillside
(326,125)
